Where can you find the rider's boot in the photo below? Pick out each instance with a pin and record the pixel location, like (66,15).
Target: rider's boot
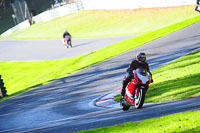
(122,100)
(123,91)
(122,96)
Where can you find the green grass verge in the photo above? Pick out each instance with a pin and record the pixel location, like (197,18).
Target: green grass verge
(177,80)
(22,75)
(181,122)
(96,23)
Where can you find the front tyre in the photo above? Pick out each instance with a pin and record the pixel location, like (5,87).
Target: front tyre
(140,100)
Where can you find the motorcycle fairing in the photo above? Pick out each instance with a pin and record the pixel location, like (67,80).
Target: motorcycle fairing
(67,38)
(142,78)
(136,89)
(129,97)
(130,91)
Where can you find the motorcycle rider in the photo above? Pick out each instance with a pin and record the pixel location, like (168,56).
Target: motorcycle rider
(66,33)
(140,62)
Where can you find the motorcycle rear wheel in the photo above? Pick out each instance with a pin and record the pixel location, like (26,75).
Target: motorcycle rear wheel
(124,106)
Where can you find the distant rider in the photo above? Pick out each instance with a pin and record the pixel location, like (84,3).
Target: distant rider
(66,33)
(140,62)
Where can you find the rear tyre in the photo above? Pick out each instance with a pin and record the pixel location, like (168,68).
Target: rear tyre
(140,100)
(122,104)
(125,108)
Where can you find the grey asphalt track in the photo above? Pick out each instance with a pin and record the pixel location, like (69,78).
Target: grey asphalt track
(67,104)
(24,50)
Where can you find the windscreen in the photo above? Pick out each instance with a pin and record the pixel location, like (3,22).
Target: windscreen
(142,71)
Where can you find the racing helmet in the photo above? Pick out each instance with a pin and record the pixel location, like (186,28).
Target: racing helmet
(141,57)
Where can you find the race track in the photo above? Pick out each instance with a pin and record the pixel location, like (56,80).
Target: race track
(67,104)
(24,50)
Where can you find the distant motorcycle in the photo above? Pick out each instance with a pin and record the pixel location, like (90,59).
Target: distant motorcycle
(67,41)
(136,89)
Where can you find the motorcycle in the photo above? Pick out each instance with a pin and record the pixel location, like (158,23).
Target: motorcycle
(136,89)
(67,41)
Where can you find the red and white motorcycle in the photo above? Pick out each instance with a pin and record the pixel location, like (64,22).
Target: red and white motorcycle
(136,89)
(67,41)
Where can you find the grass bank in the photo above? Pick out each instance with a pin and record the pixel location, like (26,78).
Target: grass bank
(177,80)
(96,23)
(20,76)
(181,122)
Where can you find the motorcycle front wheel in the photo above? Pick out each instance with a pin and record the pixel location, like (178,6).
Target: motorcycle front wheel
(139,101)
